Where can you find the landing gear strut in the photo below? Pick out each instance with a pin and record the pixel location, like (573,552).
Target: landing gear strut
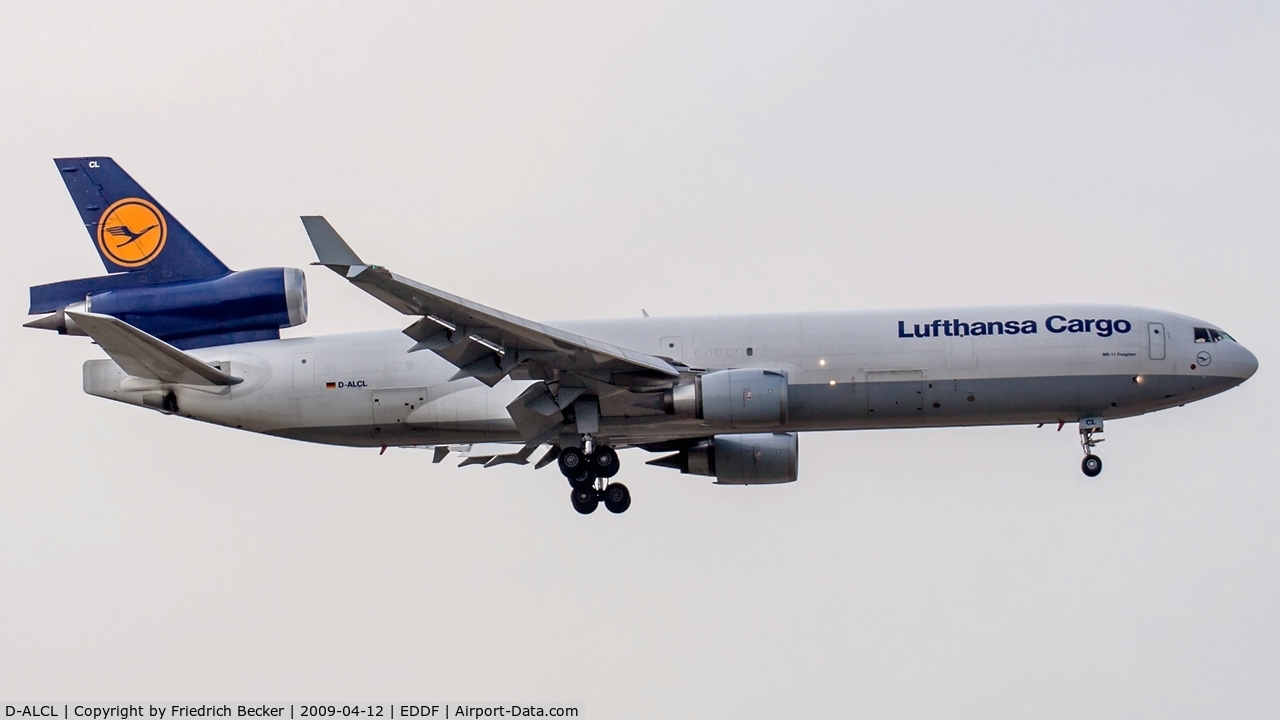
(1091,466)
(588,472)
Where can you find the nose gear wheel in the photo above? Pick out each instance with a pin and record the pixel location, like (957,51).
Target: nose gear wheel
(1091,466)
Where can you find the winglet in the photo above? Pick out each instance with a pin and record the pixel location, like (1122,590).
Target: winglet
(142,355)
(331,249)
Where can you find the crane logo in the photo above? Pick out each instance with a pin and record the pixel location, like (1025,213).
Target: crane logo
(132,232)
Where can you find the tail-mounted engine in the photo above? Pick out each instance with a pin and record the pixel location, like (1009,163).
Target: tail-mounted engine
(237,307)
(752,459)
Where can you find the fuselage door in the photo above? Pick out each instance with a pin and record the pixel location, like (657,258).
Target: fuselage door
(395,405)
(672,347)
(1155,333)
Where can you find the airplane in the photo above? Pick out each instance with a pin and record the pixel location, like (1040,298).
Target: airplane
(718,396)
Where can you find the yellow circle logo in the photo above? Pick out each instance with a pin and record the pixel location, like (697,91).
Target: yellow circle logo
(132,232)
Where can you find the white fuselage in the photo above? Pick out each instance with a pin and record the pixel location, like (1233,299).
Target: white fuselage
(845,370)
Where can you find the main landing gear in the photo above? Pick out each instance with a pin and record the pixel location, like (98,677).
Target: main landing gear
(1092,464)
(588,471)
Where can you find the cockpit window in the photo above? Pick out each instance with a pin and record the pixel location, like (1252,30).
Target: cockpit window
(1207,335)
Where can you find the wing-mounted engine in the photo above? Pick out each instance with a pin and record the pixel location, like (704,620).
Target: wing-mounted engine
(237,307)
(748,459)
(739,398)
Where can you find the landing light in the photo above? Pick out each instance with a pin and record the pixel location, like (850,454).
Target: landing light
(832,383)
(1137,379)
(822,362)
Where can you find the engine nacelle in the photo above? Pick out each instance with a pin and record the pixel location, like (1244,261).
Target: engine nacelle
(749,459)
(236,307)
(738,398)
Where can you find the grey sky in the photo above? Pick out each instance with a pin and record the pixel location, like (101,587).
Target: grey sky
(565,161)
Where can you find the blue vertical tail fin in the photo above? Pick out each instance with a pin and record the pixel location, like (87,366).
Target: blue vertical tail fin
(131,231)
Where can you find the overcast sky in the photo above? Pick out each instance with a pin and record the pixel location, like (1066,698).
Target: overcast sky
(564,161)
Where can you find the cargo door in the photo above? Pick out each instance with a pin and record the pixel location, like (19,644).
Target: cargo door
(394,406)
(1155,333)
(895,393)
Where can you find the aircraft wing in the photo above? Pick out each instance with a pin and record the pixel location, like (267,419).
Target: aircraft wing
(482,342)
(142,355)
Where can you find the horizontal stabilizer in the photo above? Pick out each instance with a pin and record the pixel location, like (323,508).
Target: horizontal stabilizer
(142,355)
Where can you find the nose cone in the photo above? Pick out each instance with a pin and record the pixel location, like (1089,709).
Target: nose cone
(1248,364)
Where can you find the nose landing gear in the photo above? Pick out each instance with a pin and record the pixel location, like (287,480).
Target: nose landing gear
(1091,466)
(588,474)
